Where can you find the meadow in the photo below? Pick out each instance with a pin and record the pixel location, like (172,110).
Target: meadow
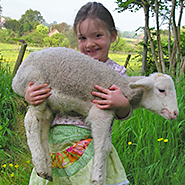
(150,147)
(10,52)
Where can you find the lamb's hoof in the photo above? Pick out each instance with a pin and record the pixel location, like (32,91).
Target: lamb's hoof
(45,176)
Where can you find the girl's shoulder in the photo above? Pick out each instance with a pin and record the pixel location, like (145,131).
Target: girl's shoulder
(117,67)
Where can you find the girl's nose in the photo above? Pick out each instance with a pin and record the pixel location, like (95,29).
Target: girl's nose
(90,43)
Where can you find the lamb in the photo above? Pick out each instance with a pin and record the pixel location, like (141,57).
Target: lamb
(72,76)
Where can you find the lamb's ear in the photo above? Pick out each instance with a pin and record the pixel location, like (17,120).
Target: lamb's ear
(144,83)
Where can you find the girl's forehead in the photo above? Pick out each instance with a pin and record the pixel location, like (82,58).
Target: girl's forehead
(90,25)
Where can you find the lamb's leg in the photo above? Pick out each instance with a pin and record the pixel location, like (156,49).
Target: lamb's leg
(32,122)
(100,121)
(45,126)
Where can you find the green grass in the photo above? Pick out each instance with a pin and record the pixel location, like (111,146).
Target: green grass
(15,173)
(10,52)
(133,66)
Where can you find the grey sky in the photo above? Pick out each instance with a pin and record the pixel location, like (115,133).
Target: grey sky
(65,11)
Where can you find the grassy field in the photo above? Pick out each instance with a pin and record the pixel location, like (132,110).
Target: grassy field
(150,147)
(133,67)
(10,53)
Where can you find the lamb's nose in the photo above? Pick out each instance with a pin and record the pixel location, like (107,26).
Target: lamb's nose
(175,114)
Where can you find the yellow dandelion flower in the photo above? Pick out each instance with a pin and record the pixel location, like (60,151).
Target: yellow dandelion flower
(129,143)
(16,166)
(165,140)
(27,161)
(160,139)
(12,175)
(4,165)
(11,165)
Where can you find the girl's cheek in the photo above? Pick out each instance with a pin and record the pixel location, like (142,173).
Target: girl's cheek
(81,48)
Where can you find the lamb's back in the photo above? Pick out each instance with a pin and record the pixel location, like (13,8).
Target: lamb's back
(66,71)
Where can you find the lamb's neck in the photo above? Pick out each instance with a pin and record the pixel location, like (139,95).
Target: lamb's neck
(135,98)
(133,95)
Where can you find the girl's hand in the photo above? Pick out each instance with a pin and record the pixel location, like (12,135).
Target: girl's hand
(112,98)
(36,94)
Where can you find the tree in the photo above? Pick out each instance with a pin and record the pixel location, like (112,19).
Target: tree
(5,35)
(34,38)
(67,30)
(30,20)
(134,6)
(12,24)
(176,54)
(73,42)
(42,29)
(32,16)
(163,11)
(145,43)
(63,28)
(0,15)
(26,27)
(1,11)
(57,39)
(119,46)
(162,8)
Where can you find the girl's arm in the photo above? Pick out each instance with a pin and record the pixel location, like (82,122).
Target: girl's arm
(113,98)
(36,94)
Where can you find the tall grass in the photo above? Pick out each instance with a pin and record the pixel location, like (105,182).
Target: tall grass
(152,148)
(7,109)
(14,155)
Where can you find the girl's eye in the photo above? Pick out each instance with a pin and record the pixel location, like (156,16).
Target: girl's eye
(98,35)
(81,38)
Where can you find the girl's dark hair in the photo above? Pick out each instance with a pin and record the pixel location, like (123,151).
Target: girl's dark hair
(95,10)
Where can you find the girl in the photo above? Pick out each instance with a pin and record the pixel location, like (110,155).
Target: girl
(71,144)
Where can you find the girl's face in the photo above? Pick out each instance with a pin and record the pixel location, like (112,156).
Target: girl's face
(94,40)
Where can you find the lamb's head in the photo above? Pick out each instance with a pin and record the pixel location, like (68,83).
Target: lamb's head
(159,95)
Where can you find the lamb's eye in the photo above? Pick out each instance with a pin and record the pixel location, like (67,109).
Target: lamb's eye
(161,90)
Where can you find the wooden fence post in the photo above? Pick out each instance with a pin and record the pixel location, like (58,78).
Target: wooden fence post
(19,58)
(127,60)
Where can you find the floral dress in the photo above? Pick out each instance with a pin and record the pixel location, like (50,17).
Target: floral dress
(71,151)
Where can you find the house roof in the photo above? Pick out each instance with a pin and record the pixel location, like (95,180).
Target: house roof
(53,32)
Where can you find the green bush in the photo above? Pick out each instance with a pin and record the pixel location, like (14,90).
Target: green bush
(5,35)
(34,38)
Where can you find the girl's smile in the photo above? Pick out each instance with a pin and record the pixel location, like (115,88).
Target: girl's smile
(93,52)
(94,40)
